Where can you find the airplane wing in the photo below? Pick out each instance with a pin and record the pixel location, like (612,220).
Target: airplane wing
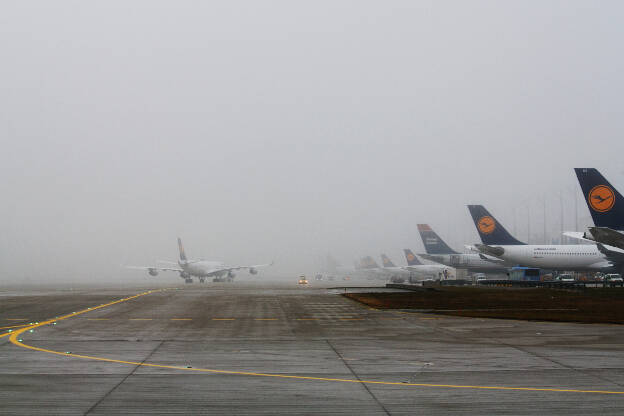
(490,250)
(613,255)
(491,259)
(162,269)
(607,236)
(577,235)
(251,267)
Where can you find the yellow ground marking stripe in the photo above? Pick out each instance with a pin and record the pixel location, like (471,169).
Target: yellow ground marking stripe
(223,319)
(16,319)
(15,340)
(306,319)
(181,319)
(13,326)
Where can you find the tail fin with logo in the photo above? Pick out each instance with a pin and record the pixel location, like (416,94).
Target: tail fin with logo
(433,243)
(385,260)
(491,231)
(412,260)
(605,203)
(368,263)
(181,249)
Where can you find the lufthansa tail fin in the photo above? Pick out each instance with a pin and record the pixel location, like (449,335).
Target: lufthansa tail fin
(385,260)
(605,203)
(412,260)
(433,243)
(369,263)
(491,231)
(181,249)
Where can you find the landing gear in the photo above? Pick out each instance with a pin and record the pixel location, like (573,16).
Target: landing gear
(202,280)
(188,280)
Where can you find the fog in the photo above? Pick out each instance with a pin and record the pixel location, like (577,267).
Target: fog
(287,130)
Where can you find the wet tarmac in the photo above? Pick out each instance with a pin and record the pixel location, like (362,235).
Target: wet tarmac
(241,349)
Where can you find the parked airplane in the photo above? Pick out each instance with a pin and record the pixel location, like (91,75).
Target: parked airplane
(398,273)
(606,206)
(201,269)
(432,271)
(499,243)
(438,251)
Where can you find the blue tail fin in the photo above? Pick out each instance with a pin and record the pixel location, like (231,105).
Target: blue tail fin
(491,231)
(412,260)
(433,243)
(605,203)
(368,263)
(385,260)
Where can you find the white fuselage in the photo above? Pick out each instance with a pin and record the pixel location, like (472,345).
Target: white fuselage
(433,271)
(203,268)
(472,262)
(557,257)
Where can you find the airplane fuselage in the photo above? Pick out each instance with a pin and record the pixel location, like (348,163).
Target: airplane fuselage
(203,268)
(582,257)
(471,262)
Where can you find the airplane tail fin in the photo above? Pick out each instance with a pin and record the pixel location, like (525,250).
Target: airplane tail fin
(605,203)
(433,243)
(385,260)
(412,260)
(181,249)
(491,231)
(369,263)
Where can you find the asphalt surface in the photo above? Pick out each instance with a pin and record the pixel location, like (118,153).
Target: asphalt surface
(241,349)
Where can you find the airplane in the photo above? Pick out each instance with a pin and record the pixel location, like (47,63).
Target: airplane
(606,206)
(438,251)
(201,269)
(398,274)
(499,243)
(435,271)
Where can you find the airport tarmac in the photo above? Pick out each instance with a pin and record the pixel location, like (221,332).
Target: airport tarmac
(246,349)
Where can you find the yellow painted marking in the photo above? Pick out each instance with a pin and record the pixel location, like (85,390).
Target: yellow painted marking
(16,319)
(223,319)
(14,338)
(351,319)
(265,319)
(181,319)
(306,319)
(13,326)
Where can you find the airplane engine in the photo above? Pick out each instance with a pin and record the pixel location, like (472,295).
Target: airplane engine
(253,271)
(184,275)
(231,274)
(152,272)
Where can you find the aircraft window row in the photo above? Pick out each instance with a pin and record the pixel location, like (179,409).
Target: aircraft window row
(561,254)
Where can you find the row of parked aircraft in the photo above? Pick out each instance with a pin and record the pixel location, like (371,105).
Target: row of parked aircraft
(499,250)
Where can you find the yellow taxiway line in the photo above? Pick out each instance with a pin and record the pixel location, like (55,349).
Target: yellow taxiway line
(14,339)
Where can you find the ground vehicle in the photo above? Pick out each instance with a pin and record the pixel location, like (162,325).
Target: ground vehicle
(565,278)
(303,280)
(613,279)
(524,274)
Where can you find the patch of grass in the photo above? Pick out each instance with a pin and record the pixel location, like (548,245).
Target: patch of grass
(595,305)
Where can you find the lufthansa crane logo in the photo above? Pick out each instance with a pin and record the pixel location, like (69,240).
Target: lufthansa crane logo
(601,198)
(486,225)
(411,257)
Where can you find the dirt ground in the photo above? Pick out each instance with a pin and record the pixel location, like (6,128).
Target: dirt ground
(588,305)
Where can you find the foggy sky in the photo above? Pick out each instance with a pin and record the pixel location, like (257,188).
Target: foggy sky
(260,130)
